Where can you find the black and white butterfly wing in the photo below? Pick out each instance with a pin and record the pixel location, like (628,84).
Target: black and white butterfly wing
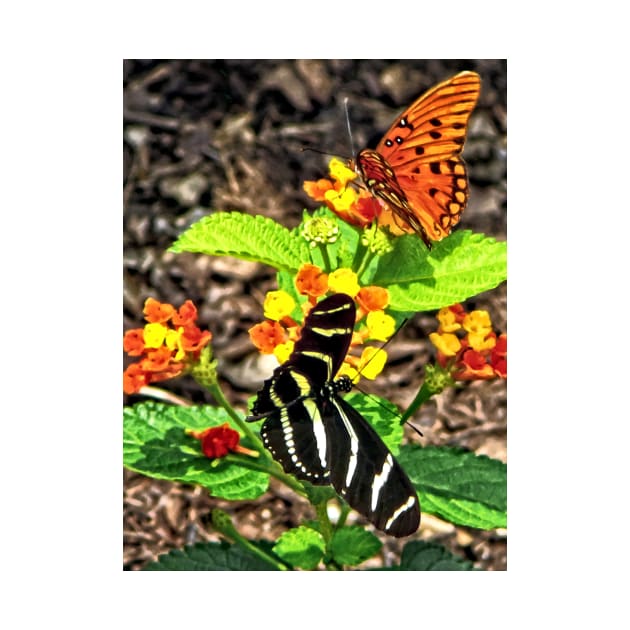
(294,431)
(364,472)
(318,437)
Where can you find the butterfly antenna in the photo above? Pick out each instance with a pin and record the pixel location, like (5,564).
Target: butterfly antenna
(322,152)
(404,321)
(415,428)
(345,105)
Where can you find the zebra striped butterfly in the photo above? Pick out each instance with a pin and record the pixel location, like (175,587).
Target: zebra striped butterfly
(318,437)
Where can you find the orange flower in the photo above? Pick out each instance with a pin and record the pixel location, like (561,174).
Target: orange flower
(267,335)
(166,351)
(372,298)
(316,190)
(193,339)
(156,312)
(134,379)
(447,344)
(311,280)
(367,208)
(157,360)
(185,315)
(133,342)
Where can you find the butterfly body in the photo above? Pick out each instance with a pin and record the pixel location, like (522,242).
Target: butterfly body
(416,171)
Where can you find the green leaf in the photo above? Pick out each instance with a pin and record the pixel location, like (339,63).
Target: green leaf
(301,547)
(419,555)
(210,557)
(155,444)
(286,282)
(382,415)
(244,236)
(318,494)
(353,545)
(457,485)
(458,267)
(349,239)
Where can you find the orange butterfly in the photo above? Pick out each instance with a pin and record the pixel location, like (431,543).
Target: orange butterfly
(416,168)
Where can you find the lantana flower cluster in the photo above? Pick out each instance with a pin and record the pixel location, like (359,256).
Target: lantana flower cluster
(279,332)
(467,346)
(169,344)
(355,206)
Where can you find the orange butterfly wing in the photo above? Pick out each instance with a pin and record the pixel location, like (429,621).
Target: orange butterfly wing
(416,168)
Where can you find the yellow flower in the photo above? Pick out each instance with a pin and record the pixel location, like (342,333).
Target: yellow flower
(448,343)
(278,304)
(283,351)
(344,281)
(172,340)
(448,320)
(350,371)
(481,341)
(380,326)
(372,362)
(340,172)
(343,200)
(477,322)
(154,335)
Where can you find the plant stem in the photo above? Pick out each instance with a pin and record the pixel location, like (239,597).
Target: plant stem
(223,524)
(326,528)
(422,396)
(367,258)
(324,251)
(217,394)
(345,510)
(268,466)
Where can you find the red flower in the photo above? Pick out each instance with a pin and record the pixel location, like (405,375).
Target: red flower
(219,441)
(472,366)
(498,357)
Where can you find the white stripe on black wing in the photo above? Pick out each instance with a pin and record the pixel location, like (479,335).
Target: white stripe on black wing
(318,437)
(368,477)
